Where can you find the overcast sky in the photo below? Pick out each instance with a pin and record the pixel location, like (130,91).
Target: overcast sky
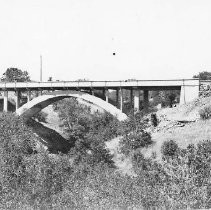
(151,39)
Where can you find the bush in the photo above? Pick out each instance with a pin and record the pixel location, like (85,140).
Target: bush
(86,181)
(169,148)
(90,131)
(205,112)
(134,141)
(134,134)
(154,119)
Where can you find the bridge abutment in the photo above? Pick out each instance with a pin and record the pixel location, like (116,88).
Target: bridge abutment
(189,91)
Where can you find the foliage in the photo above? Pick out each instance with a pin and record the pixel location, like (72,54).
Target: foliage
(75,117)
(88,130)
(39,180)
(15,75)
(168,97)
(169,148)
(165,97)
(134,134)
(154,119)
(205,112)
(103,126)
(204,75)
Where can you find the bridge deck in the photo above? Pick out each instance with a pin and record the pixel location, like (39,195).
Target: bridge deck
(141,84)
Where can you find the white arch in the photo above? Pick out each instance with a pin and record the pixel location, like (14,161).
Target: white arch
(37,104)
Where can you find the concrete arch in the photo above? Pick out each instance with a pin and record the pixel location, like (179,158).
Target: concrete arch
(31,108)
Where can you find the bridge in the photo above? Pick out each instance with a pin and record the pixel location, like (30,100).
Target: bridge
(189,91)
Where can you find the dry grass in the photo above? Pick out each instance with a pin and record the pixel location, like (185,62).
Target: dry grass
(189,134)
(184,134)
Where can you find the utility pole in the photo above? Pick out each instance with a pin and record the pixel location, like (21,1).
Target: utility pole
(40,68)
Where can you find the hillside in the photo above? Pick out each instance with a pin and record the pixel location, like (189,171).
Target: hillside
(182,124)
(88,179)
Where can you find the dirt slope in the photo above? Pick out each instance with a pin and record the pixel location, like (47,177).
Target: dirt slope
(182,124)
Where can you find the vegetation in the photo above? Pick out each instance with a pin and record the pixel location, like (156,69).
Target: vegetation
(86,177)
(15,75)
(169,148)
(87,130)
(205,112)
(204,75)
(134,134)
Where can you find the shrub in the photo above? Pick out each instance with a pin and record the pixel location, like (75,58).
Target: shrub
(90,131)
(134,134)
(205,112)
(134,141)
(154,119)
(43,181)
(169,148)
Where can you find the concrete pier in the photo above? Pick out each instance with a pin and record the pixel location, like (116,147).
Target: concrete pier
(117,98)
(146,99)
(136,100)
(17,99)
(28,95)
(5,101)
(106,95)
(121,99)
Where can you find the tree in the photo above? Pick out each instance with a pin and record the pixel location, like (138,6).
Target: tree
(88,131)
(15,75)
(204,75)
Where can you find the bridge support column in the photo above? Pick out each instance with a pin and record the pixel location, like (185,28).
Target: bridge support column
(106,94)
(5,101)
(146,99)
(136,100)
(28,95)
(18,96)
(131,98)
(117,98)
(92,92)
(121,99)
(37,93)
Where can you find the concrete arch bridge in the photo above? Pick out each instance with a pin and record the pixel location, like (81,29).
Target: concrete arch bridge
(34,106)
(86,90)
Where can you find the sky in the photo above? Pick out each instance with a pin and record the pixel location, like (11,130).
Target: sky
(106,39)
